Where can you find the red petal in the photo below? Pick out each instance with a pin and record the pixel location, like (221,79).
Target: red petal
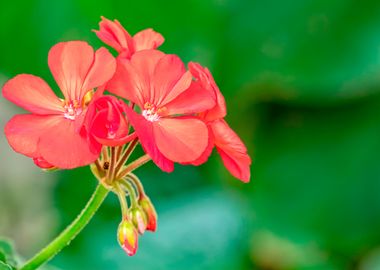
(144,130)
(181,139)
(63,147)
(132,79)
(145,63)
(170,79)
(24,130)
(232,150)
(147,39)
(101,71)
(113,34)
(70,63)
(206,154)
(126,82)
(110,127)
(193,100)
(33,94)
(42,163)
(206,81)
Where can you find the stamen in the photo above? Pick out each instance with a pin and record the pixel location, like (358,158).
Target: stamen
(151,112)
(72,109)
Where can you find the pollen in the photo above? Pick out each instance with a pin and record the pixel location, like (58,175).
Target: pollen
(151,112)
(88,97)
(72,109)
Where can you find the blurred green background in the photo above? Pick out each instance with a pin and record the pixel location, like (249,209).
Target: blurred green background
(302,84)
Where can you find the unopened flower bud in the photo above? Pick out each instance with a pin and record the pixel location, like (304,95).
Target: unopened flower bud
(150,212)
(127,237)
(139,219)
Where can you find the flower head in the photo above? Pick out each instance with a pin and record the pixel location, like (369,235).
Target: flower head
(51,132)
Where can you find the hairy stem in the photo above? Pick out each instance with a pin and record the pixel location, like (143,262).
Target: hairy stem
(70,232)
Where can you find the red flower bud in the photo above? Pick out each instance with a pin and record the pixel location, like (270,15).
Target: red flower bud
(139,219)
(127,237)
(150,212)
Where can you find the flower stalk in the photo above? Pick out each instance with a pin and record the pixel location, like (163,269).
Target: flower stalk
(133,165)
(127,153)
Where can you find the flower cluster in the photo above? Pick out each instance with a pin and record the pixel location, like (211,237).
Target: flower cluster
(175,113)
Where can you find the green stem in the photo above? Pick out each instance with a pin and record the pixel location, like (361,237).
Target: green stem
(134,179)
(123,202)
(131,192)
(70,232)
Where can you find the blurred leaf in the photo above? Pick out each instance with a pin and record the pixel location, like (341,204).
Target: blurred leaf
(317,174)
(311,52)
(7,255)
(4,266)
(371,261)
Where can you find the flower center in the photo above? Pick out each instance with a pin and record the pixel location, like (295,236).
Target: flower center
(151,112)
(72,109)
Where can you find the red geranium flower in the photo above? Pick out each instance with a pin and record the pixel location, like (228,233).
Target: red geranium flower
(51,132)
(106,123)
(228,144)
(160,85)
(113,34)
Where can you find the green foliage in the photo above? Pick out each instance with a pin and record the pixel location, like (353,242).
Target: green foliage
(5,266)
(7,255)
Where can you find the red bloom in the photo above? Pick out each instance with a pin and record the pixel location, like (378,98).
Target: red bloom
(160,85)
(50,133)
(228,144)
(106,123)
(113,34)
